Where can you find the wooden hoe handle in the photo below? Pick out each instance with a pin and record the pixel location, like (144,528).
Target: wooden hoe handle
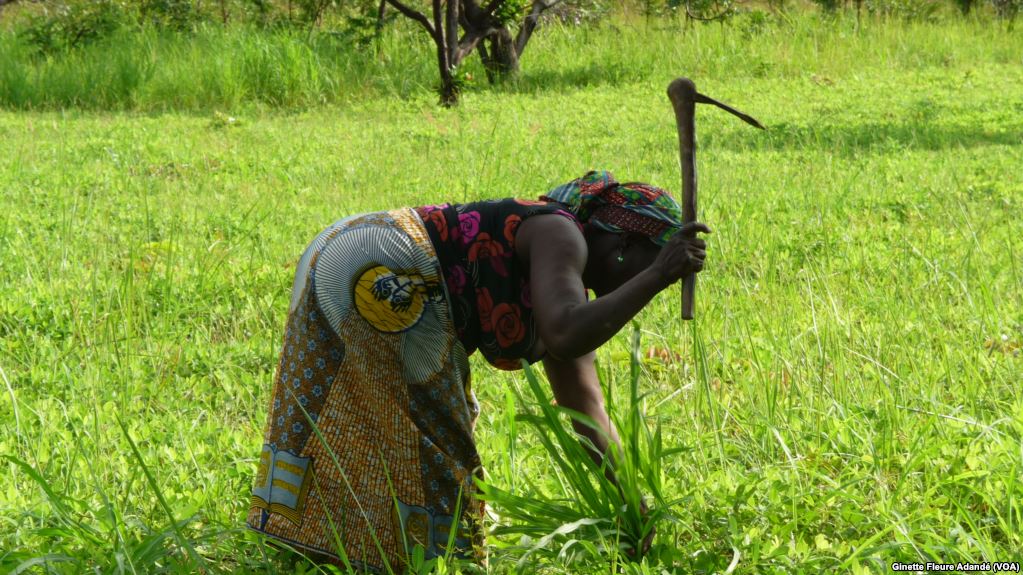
(683,96)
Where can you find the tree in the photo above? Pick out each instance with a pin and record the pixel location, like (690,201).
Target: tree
(458,27)
(1007,9)
(499,51)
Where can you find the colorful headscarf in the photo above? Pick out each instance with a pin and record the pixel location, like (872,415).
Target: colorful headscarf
(616,207)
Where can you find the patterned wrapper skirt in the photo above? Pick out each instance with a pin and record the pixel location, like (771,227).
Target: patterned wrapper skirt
(368,450)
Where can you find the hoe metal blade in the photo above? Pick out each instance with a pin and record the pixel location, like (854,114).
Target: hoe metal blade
(701,99)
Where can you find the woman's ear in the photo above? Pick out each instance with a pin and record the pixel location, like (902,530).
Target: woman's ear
(630,239)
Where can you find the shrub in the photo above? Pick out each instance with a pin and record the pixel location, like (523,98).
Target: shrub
(1007,9)
(173,14)
(578,12)
(75,24)
(752,22)
(913,10)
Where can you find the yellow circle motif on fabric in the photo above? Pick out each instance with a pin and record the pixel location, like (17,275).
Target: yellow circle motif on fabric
(389,301)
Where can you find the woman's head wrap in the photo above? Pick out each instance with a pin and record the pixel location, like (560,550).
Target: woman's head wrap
(616,207)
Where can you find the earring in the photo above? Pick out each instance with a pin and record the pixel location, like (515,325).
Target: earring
(621,258)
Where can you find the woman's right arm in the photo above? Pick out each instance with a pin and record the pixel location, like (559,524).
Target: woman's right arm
(568,325)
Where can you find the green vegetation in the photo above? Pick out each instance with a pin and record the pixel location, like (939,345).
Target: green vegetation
(226,69)
(848,396)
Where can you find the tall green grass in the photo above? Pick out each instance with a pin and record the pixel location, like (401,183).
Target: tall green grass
(211,68)
(848,396)
(228,69)
(599,514)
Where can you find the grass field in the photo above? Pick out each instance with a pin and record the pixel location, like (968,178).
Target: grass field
(861,312)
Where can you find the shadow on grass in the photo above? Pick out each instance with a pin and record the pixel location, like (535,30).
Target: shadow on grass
(568,79)
(856,138)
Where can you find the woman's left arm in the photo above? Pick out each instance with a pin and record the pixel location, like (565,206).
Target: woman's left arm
(576,386)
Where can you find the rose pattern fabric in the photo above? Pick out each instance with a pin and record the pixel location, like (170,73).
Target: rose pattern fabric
(485,305)
(489,249)
(456,279)
(470,226)
(506,320)
(491,303)
(511,225)
(437,219)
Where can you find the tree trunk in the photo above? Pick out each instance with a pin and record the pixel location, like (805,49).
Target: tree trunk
(501,59)
(381,14)
(448,89)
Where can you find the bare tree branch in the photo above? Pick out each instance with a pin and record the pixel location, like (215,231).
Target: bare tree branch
(487,65)
(415,15)
(381,12)
(470,40)
(451,33)
(463,14)
(492,7)
(438,23)
(529,24)
(472,12)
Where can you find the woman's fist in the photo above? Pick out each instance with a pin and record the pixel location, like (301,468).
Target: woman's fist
(683,254)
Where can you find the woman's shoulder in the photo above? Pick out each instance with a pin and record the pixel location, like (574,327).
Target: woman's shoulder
(515,207)
(497,219)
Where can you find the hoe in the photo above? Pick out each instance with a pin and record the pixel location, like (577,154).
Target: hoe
(684,97)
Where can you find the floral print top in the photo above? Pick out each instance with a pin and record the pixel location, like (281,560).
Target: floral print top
(488,286)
